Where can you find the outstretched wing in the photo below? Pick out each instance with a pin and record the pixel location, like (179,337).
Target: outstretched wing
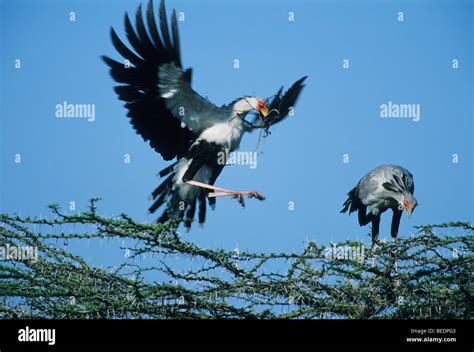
(281,105)
(195,112)
(147,76)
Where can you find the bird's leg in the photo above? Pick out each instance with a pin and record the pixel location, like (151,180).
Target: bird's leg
(397,214)
(375,235)
(227,192)
(364,218)
(193,168)
(375,229)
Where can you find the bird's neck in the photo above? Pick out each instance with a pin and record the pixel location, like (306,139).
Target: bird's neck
(239,110)
(237,122)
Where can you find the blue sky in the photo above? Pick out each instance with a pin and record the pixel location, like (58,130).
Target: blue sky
(408,62)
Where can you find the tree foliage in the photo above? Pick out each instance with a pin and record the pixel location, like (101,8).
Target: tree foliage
(184,280)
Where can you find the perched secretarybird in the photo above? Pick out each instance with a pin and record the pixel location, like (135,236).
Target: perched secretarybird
(385,187)
(178,122)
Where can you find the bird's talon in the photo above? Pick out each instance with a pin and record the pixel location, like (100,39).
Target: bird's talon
(255,194)
(375,246)
(240,198)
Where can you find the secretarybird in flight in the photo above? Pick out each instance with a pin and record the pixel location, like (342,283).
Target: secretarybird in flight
(178,122)
(385,187)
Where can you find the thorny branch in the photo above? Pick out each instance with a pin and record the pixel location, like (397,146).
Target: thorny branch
(435,275)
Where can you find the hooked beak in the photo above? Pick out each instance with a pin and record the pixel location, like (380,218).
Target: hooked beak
(262,110)
(408,209)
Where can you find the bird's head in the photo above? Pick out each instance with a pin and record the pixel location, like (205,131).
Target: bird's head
(254,103)
(262,108)
(408,202)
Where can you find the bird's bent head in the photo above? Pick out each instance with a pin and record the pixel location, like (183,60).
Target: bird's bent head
(252,103)
(409,203)
(247,104)
(262,108)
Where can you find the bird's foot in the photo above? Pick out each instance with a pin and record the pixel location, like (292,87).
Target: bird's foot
(255,194)
(240,196)
(222,192)
(397,274)
(375,246)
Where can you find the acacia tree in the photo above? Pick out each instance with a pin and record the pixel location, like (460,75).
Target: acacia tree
(434,278)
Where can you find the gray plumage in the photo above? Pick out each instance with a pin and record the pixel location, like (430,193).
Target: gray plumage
(385,187)
(195,112)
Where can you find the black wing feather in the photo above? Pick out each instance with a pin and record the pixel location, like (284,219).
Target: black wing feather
(284,103)
(142,33)
(136,43)
(164,26)
(153,27)
(124,51)
(174,27)
(139,82)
